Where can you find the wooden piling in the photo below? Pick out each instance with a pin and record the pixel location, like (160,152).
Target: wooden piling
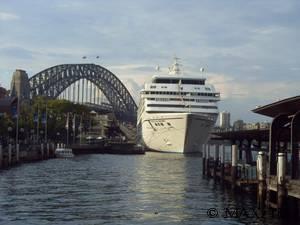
(261,171)
(1,156)
(17,153)
(222,162)
(203,159)
(42,151)
(207,160)
(9,154)
(216,160)
(234,154)
(48,150)
(281,181)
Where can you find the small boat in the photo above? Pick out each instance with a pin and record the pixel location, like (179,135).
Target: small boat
(64,153)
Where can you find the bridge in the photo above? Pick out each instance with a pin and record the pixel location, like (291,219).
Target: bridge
(88,84)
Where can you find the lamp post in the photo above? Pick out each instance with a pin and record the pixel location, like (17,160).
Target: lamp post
(57,135)
(17,126)
(22,133)
(9,129)
(41,132)
(32,134)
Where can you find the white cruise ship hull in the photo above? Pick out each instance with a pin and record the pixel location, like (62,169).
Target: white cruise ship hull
(174,132)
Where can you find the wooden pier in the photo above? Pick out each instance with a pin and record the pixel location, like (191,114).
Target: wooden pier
(12,155)
(274,174)
(108,147)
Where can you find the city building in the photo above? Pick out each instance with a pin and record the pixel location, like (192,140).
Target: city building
(238,125)
(224,120)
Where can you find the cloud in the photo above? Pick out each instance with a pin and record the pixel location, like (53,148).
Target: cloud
(4,16)
(233,88)
(16,52)
(250,51)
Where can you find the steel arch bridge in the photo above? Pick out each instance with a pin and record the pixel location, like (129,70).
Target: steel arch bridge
(53,81)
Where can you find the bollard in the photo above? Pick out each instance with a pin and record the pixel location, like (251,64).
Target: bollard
(42,151)
(203,159)
(48,151)
(207,160)
(261,171)
(18,153)
(222,162)
(1,157)
(9,154)
(216,160)
(52,149)
(281,188)
(234,153)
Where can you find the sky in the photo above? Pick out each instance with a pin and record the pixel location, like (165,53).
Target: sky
(250,49)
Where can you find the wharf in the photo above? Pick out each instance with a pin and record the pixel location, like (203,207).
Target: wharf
(275,175)
(108,147)
(12,155)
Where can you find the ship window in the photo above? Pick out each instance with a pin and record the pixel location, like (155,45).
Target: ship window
(166,81)
(183,106)
(189,81)
(169,124)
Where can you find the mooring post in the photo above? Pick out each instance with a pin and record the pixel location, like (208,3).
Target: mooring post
(52,149)
(216,160)
(1,157)
(234,154)
(48,150)
(203,159)
(207,160)
(222,162)
(261,171)
(18,153)
(42,150)
(9,154)
(281,187)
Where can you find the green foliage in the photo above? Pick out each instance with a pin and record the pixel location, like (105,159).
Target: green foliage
(5,122)
(56,113)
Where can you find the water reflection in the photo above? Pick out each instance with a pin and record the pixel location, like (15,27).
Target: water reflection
(110,189)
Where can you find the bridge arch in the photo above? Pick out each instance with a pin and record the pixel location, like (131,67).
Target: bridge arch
(53,81)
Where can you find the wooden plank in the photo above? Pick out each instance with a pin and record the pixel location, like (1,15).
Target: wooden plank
(293,187)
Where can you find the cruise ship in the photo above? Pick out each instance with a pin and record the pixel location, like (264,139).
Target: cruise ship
(176,112)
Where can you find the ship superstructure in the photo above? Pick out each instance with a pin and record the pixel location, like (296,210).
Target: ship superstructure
(176,112)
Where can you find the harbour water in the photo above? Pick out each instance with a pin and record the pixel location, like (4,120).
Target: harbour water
(153,188)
